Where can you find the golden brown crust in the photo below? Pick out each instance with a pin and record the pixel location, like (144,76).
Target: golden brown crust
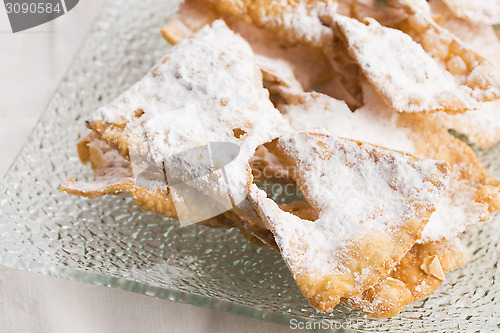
(113,175)
(275,16)
(282,62)
(191,16)
(481,75)
(435,142)
(416,276)
(367,260)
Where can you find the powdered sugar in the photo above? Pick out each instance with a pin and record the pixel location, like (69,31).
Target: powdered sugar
(302,19)
(358,190)
(479,11)
(372,124)
(189,101)
(482,126)
(408,78)
(456,210)
(377,123)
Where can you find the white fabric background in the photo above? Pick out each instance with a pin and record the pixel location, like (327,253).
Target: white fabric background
(31,65)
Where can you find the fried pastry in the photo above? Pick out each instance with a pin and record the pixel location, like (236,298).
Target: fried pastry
(267,166)
(294,20)
(387,189)
(416,276)
(296,65)
(372,205)
(185,103)
(470,69)
(409,78)
(191,16)
(472,194)
(484,11)
(387,16)
(481,127)
(113,175)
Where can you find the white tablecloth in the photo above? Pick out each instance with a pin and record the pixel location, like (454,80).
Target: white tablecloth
(31,65)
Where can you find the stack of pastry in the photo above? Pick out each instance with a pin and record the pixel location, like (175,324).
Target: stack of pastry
(350,101)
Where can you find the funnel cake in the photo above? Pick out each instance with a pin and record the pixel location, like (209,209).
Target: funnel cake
(372,205)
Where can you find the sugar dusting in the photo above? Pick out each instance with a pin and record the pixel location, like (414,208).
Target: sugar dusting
(358,190)
(302,19)
(479,11)
(481,126)
(408,77)
(378,124)
(372,124)
(189,101)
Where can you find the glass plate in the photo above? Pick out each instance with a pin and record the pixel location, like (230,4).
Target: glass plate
(109,241)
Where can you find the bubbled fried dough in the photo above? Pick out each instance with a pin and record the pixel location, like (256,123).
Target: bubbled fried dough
(471,196)
(417,275)
(406,76)
(294,20)
(480,76)
(484,12)
(296,65)
(184,103)
(113,175)
(355,241)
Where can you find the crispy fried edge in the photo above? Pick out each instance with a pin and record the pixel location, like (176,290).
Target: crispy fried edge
(417,275)
(325,292)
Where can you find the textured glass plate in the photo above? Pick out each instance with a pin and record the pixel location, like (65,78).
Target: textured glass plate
(110,242)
